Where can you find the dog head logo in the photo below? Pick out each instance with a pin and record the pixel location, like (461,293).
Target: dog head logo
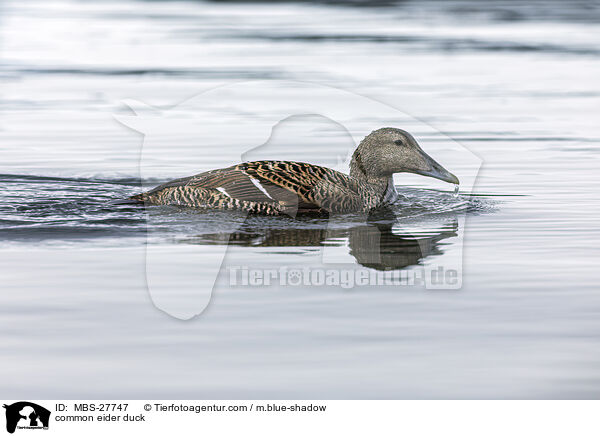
(26,415)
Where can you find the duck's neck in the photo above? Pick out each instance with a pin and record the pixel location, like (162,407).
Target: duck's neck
(383,186)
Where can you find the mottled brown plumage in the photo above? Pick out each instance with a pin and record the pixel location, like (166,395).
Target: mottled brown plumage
(282,187)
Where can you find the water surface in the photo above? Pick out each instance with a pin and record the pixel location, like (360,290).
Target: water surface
(514,83)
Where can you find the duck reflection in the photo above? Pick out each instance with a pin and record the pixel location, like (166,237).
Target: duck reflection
(379,243)
(377,246)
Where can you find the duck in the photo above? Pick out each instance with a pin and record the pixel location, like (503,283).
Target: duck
(273,187)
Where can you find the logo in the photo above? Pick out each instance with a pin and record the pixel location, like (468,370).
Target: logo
(26,415)
(266,119)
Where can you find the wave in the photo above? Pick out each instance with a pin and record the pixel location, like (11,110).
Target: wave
(54,208)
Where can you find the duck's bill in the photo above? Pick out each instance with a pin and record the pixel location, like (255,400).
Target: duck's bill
(433,169)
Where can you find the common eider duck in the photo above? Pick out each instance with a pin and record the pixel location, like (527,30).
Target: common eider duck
(283,187)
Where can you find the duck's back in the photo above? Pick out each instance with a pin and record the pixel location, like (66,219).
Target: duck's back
(271,187)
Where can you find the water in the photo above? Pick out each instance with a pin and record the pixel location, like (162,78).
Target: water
(514,83)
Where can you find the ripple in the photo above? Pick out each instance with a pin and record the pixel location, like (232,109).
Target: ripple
(40,208)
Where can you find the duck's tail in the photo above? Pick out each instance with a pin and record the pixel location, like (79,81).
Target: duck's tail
(134,199)
(139,198)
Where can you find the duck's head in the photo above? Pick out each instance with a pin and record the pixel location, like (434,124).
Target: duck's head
(387,151)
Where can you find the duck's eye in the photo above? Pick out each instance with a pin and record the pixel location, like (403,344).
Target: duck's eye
(399,142)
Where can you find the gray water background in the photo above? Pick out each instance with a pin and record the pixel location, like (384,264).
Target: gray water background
(516,83)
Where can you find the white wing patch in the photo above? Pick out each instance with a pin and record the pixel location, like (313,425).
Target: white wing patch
(259,186)
(222,190)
